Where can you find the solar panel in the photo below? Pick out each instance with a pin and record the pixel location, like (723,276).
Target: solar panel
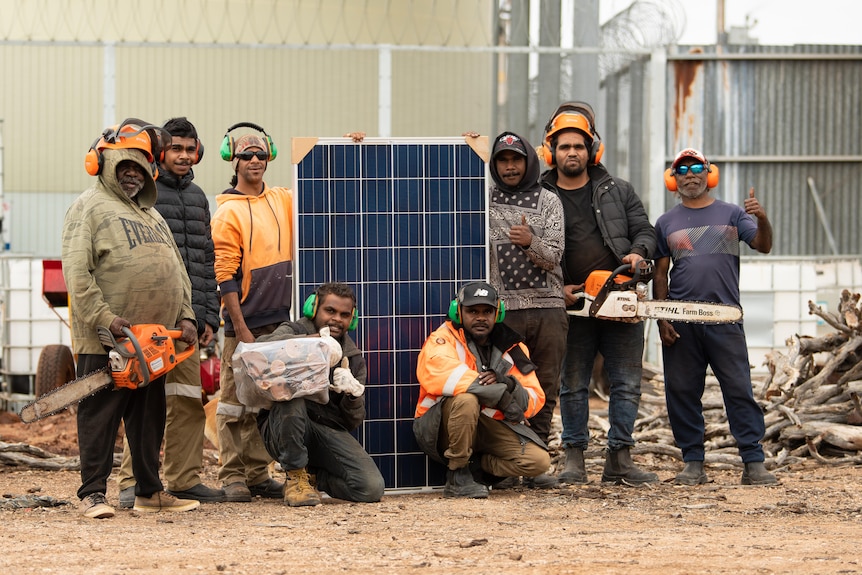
(404,223)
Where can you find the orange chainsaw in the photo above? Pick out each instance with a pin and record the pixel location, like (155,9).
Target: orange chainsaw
(613,296)
(146,353)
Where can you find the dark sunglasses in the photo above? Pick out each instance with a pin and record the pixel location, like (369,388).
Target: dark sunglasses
(695,169)
(246,156)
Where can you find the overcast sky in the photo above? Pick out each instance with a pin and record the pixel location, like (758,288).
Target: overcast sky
(774,21)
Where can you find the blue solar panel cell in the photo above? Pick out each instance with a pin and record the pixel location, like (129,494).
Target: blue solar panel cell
(403,223)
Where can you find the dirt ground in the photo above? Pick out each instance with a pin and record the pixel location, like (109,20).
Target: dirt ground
(810,523)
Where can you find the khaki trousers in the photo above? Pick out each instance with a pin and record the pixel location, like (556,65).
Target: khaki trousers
(466,434)
(241,451)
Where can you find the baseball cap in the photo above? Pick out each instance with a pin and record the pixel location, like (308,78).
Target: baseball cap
(688,153)
(478,293)
(509,141)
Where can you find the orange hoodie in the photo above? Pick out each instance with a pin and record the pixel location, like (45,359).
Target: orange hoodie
(253,240)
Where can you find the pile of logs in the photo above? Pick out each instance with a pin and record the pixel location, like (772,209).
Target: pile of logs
(810,400)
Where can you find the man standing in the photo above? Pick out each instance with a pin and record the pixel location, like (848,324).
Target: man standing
(185,208)
(605,226)
(477,389)
(122,267)
(308,437)
(527,241)
(252,231)
(701,236)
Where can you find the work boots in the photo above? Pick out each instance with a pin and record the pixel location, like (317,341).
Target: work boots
(691,474)
(755,473)
(460,483)
(574,472)
(619,468)
(298,490)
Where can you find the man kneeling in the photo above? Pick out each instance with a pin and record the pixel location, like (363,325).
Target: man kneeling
(312,441)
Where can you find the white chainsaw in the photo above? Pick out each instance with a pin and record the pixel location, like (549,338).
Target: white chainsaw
(614,296)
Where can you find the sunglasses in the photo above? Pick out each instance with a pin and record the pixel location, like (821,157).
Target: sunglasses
(695,169)
(246,156)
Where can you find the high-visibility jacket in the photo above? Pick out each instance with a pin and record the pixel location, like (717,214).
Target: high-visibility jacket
(447,366)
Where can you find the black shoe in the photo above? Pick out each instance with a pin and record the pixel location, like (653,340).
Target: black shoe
(506,483)
(127,497)
(692,474)
(460,483)
(270,489)
(202,493)
(543,481)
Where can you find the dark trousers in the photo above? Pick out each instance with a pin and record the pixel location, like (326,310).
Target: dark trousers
(723,348)
(342,467)
(544,332)
(143,413)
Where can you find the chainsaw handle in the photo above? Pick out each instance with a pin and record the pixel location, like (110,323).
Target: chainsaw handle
(176,334)
(644,267)
(139,353)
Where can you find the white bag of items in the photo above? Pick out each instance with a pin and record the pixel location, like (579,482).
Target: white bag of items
(284,369)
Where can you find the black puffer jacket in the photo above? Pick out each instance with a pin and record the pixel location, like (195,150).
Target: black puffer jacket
(186,208)
(621,216)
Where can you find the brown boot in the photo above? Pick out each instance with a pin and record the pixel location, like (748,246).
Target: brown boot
(755,473)
(619,468)
(298,491)
(692,474)
(574,472)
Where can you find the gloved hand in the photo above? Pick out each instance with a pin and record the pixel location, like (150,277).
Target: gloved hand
(488,394)
(344,382)
(512,410)
(334,346)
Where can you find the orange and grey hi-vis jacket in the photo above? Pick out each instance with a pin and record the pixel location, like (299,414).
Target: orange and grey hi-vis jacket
(253,240)
(447,367)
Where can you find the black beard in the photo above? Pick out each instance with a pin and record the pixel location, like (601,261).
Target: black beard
(571,172)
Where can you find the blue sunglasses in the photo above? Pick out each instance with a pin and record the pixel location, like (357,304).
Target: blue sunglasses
(695,169)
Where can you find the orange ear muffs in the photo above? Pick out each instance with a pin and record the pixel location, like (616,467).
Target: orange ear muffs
(573,115)
(711,178)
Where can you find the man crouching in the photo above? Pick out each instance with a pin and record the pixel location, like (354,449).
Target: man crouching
(477,389)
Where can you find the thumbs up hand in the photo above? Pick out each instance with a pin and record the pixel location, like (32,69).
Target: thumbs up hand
(344,382)
(753,207)
(521,234)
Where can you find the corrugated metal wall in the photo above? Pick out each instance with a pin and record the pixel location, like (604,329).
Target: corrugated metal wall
(771,118)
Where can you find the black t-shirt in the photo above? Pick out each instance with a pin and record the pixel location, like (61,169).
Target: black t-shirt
(585,248)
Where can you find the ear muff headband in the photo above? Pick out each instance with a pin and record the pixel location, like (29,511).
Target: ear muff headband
(454,313)
(132,134)
(711,178)
(309,310)
(228,144)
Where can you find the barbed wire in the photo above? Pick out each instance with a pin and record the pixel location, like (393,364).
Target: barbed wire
(644,26)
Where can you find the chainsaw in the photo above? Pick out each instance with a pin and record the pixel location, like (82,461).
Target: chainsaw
(146,353)
(613,296)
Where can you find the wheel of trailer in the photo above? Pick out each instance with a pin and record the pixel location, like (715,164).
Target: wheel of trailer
(56,367)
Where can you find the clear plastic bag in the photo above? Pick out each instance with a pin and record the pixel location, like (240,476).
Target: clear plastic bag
(282,370)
